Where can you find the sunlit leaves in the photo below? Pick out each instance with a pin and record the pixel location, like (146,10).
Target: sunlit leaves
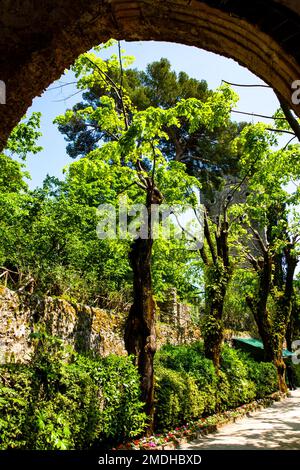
(23,138)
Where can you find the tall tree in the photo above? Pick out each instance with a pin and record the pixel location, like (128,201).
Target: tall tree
(134,145)
(272,249)
(207,152)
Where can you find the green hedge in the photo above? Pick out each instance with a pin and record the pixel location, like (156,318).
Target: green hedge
(187,386)
(179,399)
(66,401)
(63,400)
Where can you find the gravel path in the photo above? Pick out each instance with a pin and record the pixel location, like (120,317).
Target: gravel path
(276,427)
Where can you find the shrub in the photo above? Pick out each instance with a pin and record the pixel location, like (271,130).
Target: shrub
(178,398)
(66,401)
(188,387)
(15,386)
(118,380)
(190,359)
(264,375)
(240,387)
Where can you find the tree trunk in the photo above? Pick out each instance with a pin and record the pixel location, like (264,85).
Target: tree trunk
(271,330)
(217,279)
(288,299)
(272,341)
(280,366)
(283,316)
(273,345)
(289,333)
(140,333)
(213,335)
(292,332)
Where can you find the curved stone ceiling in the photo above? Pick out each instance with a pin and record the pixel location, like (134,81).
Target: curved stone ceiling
(39,39)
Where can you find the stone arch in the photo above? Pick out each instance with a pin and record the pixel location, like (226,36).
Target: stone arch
(39,39)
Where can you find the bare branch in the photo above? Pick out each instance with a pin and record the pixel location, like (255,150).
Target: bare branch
(286,146)
(273,118)
(154,163)
(253,262)
(246,86)
(237,187)
(68,97)
(183,228)
(60,86)
(110,134)
(140,185)
(130,185)
(105,75)
(283,131)
(140,170)
(259,240)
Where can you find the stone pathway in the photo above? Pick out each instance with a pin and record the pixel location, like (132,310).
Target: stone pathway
(276,427)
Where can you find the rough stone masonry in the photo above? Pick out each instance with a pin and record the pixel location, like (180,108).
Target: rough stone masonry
(83,327)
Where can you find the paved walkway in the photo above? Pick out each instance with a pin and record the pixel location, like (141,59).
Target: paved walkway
(276,427)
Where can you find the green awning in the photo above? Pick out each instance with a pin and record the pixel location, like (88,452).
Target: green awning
(256,344)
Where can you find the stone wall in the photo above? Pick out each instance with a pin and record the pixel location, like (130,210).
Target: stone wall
(83,327)
(173,312)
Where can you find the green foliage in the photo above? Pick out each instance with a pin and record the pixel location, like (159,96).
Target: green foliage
(178,398)
(264,375)
(67,401)
(23,138)
(241,388)
(119,383)
(171,130)
(15,388)
(184,375)
(189,358)
(11,175)
(237,315)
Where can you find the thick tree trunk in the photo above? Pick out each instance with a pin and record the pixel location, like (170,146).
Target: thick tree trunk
(213,335)
(273,344)
(288,299)
(272,341)
(218,272)
(271,330)
(283,316)
(292,331)
(216,286)
(280,366)
(140,333)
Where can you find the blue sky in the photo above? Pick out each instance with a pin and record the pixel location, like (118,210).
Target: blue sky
(196,62)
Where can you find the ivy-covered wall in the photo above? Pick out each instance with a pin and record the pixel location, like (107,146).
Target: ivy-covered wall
(83,327)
